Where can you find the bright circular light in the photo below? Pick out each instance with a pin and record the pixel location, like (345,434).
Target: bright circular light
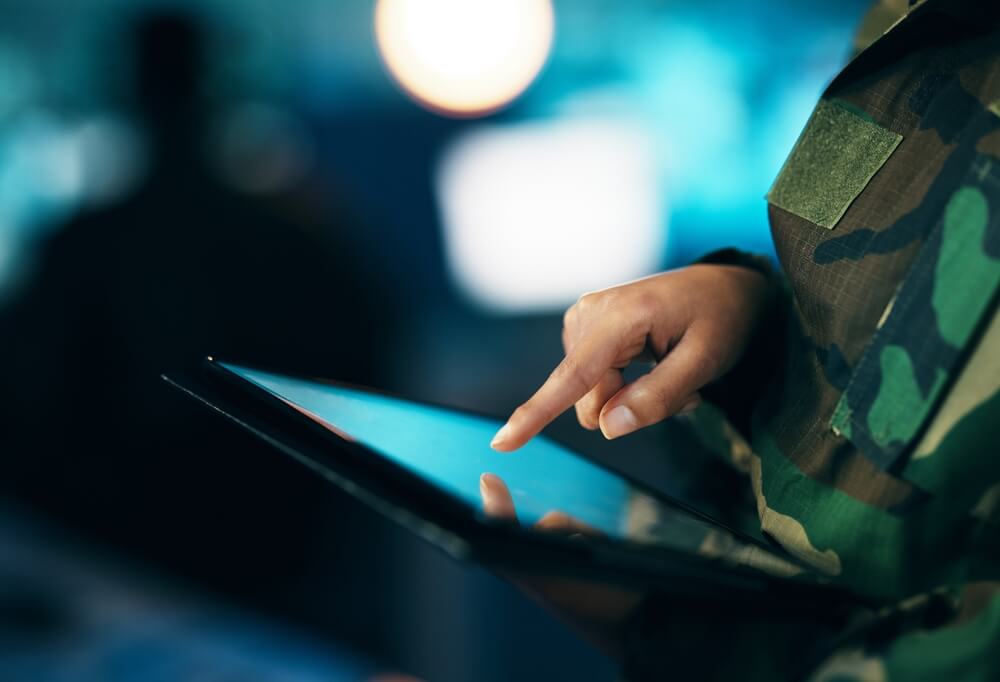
(464,56)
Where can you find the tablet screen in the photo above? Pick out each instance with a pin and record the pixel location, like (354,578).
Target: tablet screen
(451,450)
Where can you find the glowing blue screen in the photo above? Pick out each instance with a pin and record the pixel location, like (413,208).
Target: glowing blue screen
(451,450)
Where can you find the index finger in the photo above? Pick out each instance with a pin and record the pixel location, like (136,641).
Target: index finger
(579,372)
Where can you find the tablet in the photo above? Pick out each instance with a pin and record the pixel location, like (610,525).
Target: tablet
(420,465)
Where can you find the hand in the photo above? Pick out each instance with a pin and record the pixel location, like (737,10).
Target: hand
(597,611)
(696,322)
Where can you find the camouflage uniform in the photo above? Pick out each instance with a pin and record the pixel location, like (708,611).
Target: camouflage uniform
(872,443)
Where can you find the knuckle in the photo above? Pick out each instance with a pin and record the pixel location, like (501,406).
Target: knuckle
(703,362)
(593,303)
(656,395)
(573,372)
(535,409)
(586,414)
(644,302)
(569,317)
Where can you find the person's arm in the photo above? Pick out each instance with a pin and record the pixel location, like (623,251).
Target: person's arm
(697,323)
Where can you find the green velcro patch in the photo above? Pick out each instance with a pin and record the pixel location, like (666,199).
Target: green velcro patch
(834,159)
(995,107)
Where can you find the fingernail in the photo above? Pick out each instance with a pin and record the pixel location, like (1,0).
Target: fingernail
(484,484)
(619,422)
(690,406)
(501,437)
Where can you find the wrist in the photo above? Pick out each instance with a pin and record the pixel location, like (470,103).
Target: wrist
(738,391)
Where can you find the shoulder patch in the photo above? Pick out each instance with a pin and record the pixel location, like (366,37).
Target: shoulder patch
(836,156)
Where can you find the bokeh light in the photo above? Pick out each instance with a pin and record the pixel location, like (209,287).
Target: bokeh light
(464,57)
(535,214)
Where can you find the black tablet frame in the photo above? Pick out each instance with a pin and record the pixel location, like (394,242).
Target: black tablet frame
(448,523)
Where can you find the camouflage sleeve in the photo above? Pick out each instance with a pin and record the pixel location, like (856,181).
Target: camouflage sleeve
(966,650)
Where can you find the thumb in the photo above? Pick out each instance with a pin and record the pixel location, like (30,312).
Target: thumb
(670,388)
(497,500)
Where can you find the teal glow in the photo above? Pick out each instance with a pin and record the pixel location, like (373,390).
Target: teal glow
(451,449)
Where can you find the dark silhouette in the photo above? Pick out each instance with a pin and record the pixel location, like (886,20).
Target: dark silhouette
(181,269)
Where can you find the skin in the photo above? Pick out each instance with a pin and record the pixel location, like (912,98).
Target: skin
(695,323)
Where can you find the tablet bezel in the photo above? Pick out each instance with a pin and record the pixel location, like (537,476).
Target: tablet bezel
(449,524)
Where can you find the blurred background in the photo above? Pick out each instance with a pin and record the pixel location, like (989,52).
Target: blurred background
(404,194)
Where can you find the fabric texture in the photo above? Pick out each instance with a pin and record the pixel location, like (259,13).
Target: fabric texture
(836,156)
(871,450)
(901,376)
